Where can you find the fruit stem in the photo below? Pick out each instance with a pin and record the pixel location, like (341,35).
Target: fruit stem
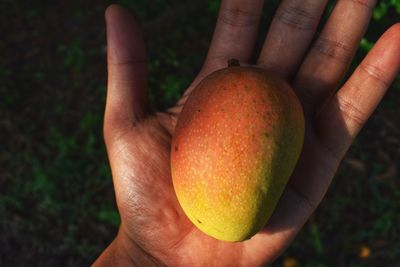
(233,62)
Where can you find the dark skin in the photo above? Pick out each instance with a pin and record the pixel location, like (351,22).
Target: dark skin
(154,230)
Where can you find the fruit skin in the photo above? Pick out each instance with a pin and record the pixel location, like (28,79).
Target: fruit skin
(236,143)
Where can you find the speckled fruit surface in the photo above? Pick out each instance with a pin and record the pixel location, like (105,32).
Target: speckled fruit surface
(235,146)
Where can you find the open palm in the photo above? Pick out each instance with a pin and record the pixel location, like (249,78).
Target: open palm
(154,230)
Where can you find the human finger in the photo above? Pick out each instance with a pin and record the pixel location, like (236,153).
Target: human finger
(235,33)
(126,61)
(290,34)
(348,110)
(234,38)
(330,56)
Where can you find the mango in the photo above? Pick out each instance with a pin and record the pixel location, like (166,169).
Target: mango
(236,143)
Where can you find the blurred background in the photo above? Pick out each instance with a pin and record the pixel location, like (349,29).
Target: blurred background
(57,204)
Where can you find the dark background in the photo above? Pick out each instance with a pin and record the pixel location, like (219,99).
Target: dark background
(56,197)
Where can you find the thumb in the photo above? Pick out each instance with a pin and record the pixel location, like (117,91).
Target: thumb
(127,100)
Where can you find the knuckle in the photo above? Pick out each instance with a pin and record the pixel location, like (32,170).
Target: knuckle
(369,4)
(129,61)
(239,18)
(115,129)
(337,50)
(377,74)
(309,203)
(296,17)
(351,112)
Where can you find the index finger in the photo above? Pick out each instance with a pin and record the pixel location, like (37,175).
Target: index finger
(235,33)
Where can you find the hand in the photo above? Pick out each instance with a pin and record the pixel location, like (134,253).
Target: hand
(154,229)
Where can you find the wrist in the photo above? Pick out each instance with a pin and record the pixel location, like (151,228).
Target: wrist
(116,254)
(124,252)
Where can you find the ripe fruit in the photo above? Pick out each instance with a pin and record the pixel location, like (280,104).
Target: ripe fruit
(235,146)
